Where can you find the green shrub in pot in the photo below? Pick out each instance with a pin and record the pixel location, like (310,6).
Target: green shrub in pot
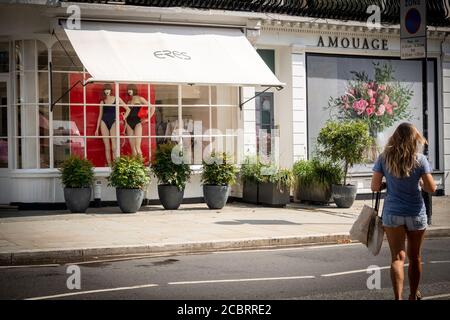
(344,142)
(219,172)
(275,185)
(314,178)
(77,175)
(250,174)
(172,174)
(130,176)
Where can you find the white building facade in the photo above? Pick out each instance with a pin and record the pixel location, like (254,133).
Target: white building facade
(314,58)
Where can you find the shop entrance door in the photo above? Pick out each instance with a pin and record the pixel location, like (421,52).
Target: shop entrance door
(4,150)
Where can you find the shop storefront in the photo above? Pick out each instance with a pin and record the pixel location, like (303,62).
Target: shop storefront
(172,96)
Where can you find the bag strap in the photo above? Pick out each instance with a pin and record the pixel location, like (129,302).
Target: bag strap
(377,201)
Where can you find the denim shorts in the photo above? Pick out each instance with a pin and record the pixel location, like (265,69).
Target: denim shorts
(412,223)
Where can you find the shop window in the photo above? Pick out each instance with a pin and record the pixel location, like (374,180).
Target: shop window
(264,112)
(3,125)
(83,121)
(334,74)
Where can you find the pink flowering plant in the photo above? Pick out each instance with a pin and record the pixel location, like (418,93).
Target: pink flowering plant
(379,102)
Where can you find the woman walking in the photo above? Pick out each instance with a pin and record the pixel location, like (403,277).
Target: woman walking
(404,213)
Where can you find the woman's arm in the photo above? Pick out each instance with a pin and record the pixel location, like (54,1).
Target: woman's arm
(428,183)
(125,106)
(377,184)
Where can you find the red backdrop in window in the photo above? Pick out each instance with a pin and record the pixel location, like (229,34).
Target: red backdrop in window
(95,146)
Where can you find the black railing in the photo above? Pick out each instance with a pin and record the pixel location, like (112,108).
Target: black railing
(356,10)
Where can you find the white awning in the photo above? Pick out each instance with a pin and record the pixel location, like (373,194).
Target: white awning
(164,54)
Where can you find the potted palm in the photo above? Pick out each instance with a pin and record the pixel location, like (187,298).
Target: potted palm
(172,174)
(129,176)
(313,180)
(217,176)
(344,142)
(250,174)
(77,175)
(274,186)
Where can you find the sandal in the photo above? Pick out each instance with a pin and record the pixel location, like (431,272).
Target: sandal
(418,295)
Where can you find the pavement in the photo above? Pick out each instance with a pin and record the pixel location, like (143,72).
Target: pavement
(31,237)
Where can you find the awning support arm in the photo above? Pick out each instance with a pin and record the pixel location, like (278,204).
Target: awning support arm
(50,67)
(259,93)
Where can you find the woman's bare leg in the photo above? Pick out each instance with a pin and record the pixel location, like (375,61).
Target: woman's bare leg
(113,140)
(414,247)
(396,238)
(131,139)
(105,133)
(138,133)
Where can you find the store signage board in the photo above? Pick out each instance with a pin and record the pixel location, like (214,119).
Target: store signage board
(413,29)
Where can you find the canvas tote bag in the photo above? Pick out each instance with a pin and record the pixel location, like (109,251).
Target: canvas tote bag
(368,227)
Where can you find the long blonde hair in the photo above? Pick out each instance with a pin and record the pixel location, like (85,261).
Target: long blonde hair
(400,153)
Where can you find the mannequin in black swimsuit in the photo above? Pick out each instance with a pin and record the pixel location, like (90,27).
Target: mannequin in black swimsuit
(134,122)
(106,121)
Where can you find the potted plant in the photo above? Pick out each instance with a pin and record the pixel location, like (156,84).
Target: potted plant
(217,176)
(77,175)
(274,186)
(250,175)
(129,176)
(172,174)
(344,142)
(314,178)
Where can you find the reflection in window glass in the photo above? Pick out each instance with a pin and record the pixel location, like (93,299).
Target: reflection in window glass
(165,94)
(222,95)
(62,61)
(195,120)
(44,152)
(43,121)
(195,95)
(43,87)
(224,118)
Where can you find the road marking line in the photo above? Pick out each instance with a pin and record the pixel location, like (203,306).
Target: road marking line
(354,271)
(30,266)
(436,296)
(444,261)
(241,280)
(93,291)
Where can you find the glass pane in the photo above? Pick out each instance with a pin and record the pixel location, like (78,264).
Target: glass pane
(193,95)
(3,153)
(3,122)
(43,87)
(4,56)
(27,153)
(68,120)
(226,144)
(63,147)
(27,123)
(224,96)
(65,60)
(95,92)
(223,119)
(42,55)
(100,151)
(195,120)
(166,120)
(165,94)
(43,121)
(44,151)
(27,91)
(61,84)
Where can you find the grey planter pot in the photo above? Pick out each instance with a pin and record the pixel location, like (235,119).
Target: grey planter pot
(77,199)
(215,196)
(271,195)
(313,193)
(344,196)
(170,196)
(129,200)
(250,192)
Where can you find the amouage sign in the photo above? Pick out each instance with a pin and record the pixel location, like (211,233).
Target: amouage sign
(353,43)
